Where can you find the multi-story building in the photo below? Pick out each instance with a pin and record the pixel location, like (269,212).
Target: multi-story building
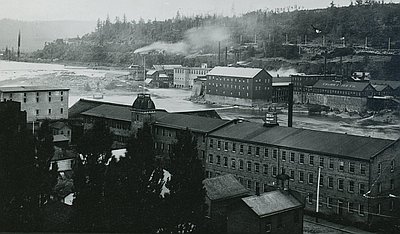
(302,81)
(39,102)
(238,85)
(167,69)
(258,154)
(184,76)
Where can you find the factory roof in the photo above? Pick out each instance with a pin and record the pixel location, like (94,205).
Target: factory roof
(193,122)
(224,187)
(394,84)
(243,72)
(8,89)
(151,72)
(380,88)
(325,143)
(337,85)
(271,203)
(166,67)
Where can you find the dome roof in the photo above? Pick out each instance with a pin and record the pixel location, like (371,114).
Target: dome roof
(143,102)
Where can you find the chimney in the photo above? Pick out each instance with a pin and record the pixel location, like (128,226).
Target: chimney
(226,56)
(219,53)
(290,105)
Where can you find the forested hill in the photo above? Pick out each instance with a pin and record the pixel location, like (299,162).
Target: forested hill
(114,41)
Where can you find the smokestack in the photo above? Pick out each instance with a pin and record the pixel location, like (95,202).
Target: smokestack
(226,56)
(219,53)
(19,43)
(290,105)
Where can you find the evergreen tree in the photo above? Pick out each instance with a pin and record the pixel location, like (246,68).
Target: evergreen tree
(141,181)
(185,203)
(89,172)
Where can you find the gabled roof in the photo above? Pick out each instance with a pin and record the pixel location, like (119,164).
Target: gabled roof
(60,138)
(336,85)
(271,203)
(325,143)
(85,104)
(194,123)
(58,125)
(380,88)
(242,72)
(224,187)
(151,72)
(21,88)
(394,84)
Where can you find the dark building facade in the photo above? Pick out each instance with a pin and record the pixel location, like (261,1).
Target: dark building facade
(271,212)
(238,86)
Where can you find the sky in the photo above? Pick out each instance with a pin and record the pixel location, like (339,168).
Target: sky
(37,10)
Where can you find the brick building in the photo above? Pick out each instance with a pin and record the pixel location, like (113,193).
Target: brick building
(39,102)
(302,81)
(256,155)
(184,76)
(271,212)
(237,85)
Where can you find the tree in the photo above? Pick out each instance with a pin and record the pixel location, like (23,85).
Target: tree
(185,203)
(89,172)
(142,182)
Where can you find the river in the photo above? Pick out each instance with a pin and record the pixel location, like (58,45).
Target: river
(75,78)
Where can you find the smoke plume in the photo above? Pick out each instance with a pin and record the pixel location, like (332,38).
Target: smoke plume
(195,40)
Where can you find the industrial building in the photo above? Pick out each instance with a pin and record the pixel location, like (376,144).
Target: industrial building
(184,76)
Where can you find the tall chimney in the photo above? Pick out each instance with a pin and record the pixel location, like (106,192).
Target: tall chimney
(290,105)
(226,56)
(219,53)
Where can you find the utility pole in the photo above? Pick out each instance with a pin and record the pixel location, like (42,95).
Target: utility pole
(286,39)
(318,183)
(305,39)
(366,42)
(389,44)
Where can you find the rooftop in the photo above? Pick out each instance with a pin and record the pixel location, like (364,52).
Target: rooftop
(394,84)
(326,143)
(336,85)
(193,122)
(166,67)
(243,72)
(379,87)
(143,102)
(224,187)
(271,203)
(6,89)
(58,125)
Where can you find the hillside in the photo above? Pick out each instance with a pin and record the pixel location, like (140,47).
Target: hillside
(297,39)
(34,34)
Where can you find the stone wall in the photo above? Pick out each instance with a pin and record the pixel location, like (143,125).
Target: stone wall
(342,103)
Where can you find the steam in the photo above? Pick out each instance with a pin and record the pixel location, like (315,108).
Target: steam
(195,40)
(283,72)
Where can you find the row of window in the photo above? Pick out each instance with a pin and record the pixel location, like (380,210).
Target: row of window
(49,111)
(191,71)
(289,156)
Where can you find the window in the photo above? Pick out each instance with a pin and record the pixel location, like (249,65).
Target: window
(340,184)
(392,166)
(257,151)
(321,161)
(361,209)
(301,176)
(37,94)
(241,164)
(249,149)
(274,171)
(37,99)
(311,160)
(321,180)
(291,157)
(218,160)
(361,189)
(291,176)
(331,163)
(233,147)
(309,198)
(351,167)
(49,111)
(362,169)
(275,153)
(268,228)
(37,112)
(225,161)
(211,143)
(350,207)
(219,145)
(351,186)
(379,168)
(330,182)
(341,165)
(62,110)
(49,93)
(210,159)
(310,178)
(265,169)
(329,202)
(24,99)
(248,166)
(62,93)
(301,158)
(233,163)
(257,167)
(226,146)
(241,149)
(266,153)
(249,182)
(49,99)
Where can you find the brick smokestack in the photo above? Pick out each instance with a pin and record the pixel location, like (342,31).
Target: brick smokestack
(290,105)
